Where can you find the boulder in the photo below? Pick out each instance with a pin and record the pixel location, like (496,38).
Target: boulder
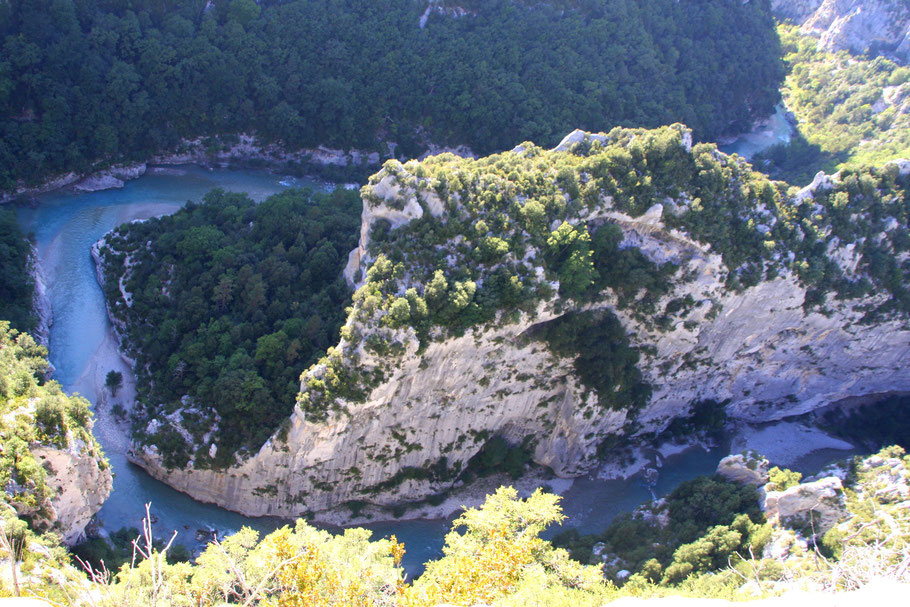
(812,508)
(747,468)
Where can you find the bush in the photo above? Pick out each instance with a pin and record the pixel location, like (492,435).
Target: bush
(780,479)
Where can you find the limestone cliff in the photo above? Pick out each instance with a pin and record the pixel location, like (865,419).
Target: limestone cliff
(858,26)
(80,481)
(52,470)
(564,298)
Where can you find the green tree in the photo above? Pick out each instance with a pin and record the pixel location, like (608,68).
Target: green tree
(114,381)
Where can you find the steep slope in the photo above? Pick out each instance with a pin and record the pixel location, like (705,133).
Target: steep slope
(563,299)
(52,469)
(87,85)
(850,110)
(858,26)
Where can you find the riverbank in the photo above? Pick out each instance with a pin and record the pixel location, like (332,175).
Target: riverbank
(785,443)
(41,305)
(240,151)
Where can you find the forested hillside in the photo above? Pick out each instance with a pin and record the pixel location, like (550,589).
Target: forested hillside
(230,302)
(16,285)
(852,109)
(83,81)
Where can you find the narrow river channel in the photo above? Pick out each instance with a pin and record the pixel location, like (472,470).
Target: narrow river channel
(66,224)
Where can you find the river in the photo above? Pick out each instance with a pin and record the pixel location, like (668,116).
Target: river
(777,128)
(82,350)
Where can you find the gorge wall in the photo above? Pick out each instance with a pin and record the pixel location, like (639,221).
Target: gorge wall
(858,26)
(53,471)
(80,482)
(681,276)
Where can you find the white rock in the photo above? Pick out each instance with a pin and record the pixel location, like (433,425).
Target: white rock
(757,349)
(858,26)
(745,468)
(809,507)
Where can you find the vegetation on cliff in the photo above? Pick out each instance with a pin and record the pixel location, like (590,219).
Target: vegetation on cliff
(16,284)
(227,302)
(695,529)
(852,110)
(90,80)
(485,240)
(494,555)
(35,413)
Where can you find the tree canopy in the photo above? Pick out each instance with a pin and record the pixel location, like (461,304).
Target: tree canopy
(229,302)
(87,81)
(16,284)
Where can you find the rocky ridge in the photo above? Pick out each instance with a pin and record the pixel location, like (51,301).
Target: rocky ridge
(858,26)
(430,405)
(79,483)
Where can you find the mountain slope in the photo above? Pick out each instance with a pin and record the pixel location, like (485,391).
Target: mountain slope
(564,298)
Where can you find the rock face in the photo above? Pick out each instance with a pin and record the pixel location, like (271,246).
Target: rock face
(80,485)
(813,508)
(111,179)
(40,302)
(858,26)
(432,406)
(745,468)
(247,147)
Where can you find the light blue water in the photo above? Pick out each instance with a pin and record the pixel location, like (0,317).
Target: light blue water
(777,129)
(65,226)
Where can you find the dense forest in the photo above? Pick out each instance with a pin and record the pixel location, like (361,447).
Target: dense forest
(16,284)
(83,81)
(229,302)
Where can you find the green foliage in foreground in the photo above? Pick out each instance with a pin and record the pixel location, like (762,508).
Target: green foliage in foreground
(230,302)
(852,110)
(494,556)
(35,413)
(16,284)
(85,81)
(694,529)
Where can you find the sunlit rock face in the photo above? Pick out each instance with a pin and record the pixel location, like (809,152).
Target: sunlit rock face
(81,482)
(430,407)
(858,26)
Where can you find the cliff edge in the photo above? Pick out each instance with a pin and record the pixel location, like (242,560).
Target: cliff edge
(876,27)
(53,471)
(563,300)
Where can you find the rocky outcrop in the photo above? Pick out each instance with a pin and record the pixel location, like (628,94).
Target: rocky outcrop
(433,405)
(41,305)
(54,473)
(858,26)
(81,481)
(61,181)
(745,468)
(111,179)
(812,508)
(246,148)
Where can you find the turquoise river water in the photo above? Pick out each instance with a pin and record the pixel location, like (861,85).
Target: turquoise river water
(65,225)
